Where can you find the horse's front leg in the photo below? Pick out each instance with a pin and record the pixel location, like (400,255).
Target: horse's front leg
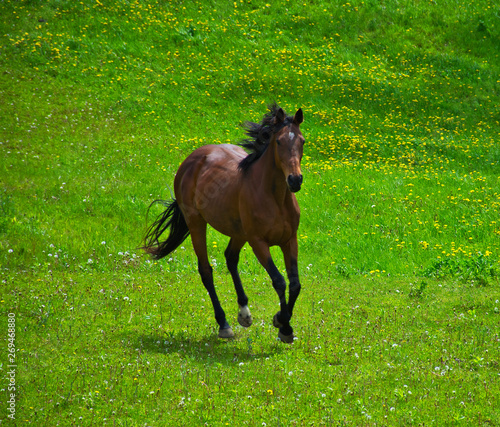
(282,319)
(290,252)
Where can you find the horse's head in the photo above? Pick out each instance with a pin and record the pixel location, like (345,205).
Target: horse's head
(289,148)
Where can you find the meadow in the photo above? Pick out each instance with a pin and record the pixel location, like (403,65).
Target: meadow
(398,320)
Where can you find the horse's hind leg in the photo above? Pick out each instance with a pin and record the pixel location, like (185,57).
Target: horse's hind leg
(199,239)
(232,254)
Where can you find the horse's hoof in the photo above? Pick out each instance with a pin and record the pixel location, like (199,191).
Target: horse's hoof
(276,322)
(286,338)
(226,333)
(245,321)
(244,317)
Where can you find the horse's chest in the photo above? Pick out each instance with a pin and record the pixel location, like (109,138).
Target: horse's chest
(280,227)
(264,218)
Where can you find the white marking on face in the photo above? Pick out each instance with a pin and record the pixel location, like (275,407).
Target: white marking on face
(291,135)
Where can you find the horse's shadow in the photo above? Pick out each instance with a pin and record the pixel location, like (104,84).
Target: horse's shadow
(206,348)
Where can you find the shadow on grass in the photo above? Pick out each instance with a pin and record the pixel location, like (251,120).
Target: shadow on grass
(207,348)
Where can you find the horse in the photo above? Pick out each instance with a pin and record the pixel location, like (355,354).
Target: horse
(247,192)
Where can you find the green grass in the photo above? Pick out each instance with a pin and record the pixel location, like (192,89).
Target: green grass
(399,238)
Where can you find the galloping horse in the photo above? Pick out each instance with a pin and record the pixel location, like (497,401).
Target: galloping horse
(248,196)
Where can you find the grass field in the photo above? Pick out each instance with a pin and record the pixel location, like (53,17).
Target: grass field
(398,320)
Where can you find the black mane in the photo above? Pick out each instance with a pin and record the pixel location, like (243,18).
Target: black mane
(261,134)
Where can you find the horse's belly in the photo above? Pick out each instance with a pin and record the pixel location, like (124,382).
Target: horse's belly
(215,201)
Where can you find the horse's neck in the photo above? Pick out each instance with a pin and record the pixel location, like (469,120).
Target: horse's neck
(270,177)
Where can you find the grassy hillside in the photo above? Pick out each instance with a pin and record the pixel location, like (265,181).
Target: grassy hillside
(100,101)
(397,98)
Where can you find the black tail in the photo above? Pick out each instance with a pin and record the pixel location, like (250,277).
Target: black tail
(171,218)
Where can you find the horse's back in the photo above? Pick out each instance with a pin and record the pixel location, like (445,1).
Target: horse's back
(223,153)
(226,156)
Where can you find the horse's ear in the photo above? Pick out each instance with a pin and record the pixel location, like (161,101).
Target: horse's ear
(280,116)
(299,117)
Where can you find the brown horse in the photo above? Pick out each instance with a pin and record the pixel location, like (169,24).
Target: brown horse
(248,197)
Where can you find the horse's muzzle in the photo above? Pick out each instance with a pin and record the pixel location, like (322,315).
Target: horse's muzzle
(294,182)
